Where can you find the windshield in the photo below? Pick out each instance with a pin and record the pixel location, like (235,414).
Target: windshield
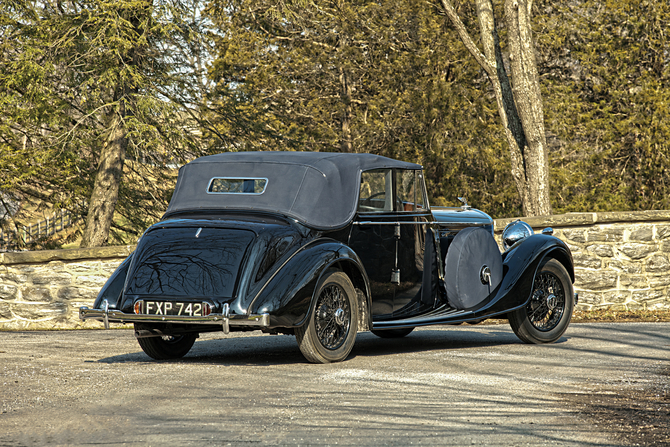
(387,190)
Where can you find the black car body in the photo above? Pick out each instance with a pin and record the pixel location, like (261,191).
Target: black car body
(323,245)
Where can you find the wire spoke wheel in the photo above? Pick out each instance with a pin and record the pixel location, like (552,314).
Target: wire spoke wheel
(330,331)
(547,305)
(333,317)
(547,315)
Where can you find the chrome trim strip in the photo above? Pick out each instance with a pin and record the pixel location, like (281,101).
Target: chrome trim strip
(369,222)
(468,224)
(225,319)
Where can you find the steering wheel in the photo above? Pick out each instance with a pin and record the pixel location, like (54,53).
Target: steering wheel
(368,202)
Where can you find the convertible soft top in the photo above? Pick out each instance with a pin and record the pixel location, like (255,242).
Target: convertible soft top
(319,189)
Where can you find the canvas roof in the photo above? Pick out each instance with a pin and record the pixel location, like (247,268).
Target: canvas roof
(319,189)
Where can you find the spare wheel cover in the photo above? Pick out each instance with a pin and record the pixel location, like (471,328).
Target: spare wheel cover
(472,256)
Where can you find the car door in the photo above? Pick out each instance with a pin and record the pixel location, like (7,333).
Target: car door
(389,235)
(416,254)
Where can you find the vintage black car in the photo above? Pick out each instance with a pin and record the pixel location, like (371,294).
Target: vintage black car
(322,246)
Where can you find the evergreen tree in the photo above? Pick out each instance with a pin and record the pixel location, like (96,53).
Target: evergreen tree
(89,112)
(606,71)
(361,76)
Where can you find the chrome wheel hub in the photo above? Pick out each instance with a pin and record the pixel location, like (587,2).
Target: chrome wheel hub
(340,317)
(552,301)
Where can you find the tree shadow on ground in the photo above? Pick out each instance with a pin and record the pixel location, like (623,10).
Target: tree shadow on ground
(281,349)
(635,416)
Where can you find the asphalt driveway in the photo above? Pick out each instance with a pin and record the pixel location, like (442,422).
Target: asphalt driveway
(454,385)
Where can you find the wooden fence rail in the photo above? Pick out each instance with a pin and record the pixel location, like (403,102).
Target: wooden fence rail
(42,229)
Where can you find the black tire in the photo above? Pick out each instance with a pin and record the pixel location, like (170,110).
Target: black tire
(393,333)
(330,331)
(167,347)
(547,315)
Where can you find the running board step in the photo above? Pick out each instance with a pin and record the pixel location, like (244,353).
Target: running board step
(443,314)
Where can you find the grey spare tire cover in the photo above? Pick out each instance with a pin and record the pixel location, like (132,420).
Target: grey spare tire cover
(471,252)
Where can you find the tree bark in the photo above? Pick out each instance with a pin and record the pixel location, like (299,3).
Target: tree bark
(528,97)
(519,101)
(345,144)
(106,188)
(113,154)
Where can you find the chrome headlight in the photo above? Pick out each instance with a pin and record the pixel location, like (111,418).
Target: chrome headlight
(515,232)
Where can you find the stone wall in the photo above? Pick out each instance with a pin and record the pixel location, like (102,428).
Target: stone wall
(44,289)
(621,262)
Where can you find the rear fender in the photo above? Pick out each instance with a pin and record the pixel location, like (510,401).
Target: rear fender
(287,297)
(113,288)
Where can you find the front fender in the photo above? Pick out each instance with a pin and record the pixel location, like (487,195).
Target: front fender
(113,288)
(288,295)
(520,266)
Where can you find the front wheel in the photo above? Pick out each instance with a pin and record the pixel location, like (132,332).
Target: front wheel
(547,315)
(167,347)
(330,331)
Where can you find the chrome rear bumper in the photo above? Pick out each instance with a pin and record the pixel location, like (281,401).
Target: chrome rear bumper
(225,319)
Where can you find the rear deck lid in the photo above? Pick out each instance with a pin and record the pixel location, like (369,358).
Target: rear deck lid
(189,262)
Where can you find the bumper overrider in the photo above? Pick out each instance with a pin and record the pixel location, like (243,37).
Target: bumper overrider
(225,319)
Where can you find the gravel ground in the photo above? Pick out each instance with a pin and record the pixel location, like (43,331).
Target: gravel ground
(600,385)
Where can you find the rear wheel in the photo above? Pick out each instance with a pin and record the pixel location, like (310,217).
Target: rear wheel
(547,315)
(330,331)
(167,347)
(393,333)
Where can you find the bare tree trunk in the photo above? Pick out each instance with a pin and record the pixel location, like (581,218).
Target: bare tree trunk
(105,194)
(519,102)
(528,97)
(106,188)
(345,144)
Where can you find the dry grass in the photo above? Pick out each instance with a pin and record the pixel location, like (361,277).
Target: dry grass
(621,316)
(610,316)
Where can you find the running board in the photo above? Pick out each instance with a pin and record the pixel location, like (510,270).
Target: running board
(444,314)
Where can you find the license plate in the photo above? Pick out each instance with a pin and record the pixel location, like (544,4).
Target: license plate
(173,308)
